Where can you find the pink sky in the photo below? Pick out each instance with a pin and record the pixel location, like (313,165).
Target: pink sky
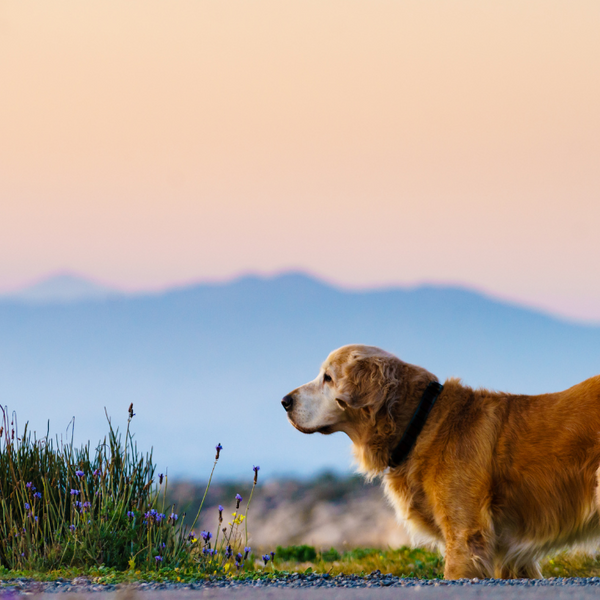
(147,143)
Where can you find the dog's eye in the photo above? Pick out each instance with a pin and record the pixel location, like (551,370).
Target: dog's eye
(327,378)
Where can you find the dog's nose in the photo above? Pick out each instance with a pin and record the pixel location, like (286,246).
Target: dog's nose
(287,403)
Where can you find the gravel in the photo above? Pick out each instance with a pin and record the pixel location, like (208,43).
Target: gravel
(376,580)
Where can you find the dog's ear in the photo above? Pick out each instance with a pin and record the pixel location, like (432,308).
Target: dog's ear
(366,382)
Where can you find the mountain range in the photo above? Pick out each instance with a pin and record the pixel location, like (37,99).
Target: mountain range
(210,363)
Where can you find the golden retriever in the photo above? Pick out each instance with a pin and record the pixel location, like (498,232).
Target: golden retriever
(494,480)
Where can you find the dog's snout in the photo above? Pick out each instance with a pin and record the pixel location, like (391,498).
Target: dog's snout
(287,403)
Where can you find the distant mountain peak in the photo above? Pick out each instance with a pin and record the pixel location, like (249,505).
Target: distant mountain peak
(62,288)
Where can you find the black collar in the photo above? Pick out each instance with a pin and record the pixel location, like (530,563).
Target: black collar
(402,450)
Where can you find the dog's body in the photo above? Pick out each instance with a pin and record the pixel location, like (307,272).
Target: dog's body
(494,480)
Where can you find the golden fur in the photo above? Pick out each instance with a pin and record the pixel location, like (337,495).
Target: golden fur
(495,480)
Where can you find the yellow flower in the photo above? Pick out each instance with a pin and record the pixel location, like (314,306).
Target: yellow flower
(226,567)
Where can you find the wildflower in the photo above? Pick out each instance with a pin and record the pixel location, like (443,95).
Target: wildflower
(35,518)
(163,545)
(74,492)
(158,559)
(228,552)
(160,517)
(29,485)
(237,564)
(85,506)
(130,514)
(97,472)
(131,413)
(160,478)
(256,470)
(151,515)
(266,558)
(220,514)
(239,499)
(77,504)
(37,495)
(246,552)
(272,555)
(79,473)
(191,536)
(218,448)
(72,527)
(206,535)
(27,507)
(172,518)
(238,556)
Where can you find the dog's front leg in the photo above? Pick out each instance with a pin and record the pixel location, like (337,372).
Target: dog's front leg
(469,554)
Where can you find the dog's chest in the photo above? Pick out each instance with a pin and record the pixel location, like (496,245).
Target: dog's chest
(413,509)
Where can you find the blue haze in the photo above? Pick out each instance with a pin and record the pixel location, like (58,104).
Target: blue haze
(210,363)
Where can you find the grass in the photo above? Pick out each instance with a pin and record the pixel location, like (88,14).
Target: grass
(403,562)
(63,507)
(412,562)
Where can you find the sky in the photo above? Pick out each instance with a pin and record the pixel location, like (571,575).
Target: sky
(149,143)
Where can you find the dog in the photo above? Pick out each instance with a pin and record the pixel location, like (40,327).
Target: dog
(495,481)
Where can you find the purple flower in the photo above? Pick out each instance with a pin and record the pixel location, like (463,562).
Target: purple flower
(173,517)
(152,514)
(266,558)
(206,535)
(239,499)
(238,556)
(86,505)
(256,470)
(218,448)
(158,559)
(272,555)
(246,552)
(77,504)
(79,473)
(97,472)
(27,507)
(74,492)
(35,518)
(29,485)
(130,514)
(160,517)
(191,536)
(37,495)
(72,527)
(228,552)
(237,564)
(220,508)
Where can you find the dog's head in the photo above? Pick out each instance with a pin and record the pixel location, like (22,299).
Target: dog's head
(364,391)
(354,381)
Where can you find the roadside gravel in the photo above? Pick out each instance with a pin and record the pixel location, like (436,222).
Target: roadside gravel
(349,587)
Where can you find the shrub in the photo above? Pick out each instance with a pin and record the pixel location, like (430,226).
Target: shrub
(302,553)
(330,555)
